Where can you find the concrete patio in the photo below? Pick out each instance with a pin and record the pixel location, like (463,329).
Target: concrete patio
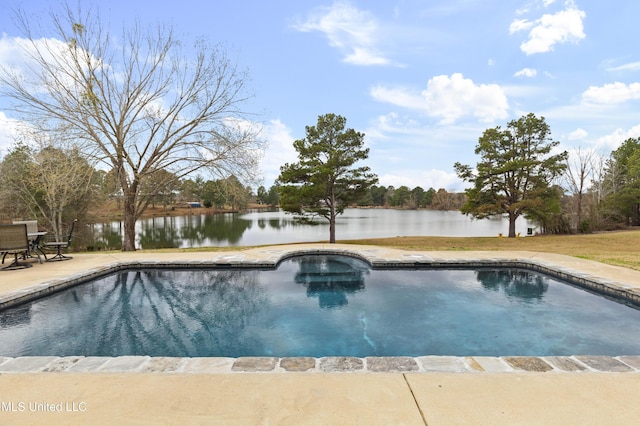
(333,390)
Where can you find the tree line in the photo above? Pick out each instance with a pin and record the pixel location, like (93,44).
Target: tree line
(387,196)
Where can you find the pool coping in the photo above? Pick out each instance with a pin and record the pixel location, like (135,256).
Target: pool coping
(378,258)
(398,364)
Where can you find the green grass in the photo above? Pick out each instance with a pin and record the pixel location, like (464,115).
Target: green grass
(615,248)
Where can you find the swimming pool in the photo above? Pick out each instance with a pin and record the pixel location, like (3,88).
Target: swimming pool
(321,305)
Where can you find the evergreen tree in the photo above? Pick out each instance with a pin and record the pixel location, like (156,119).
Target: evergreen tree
(514,172)
(324,181)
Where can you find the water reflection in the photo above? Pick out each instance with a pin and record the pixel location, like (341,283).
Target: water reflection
(516,283)
(159,232)
(330,278)
(138,313)
(359,312)
(105,236)
(275,227)
(219,229)
(16,317)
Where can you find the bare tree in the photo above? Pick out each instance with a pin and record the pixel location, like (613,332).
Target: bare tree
(137,102)
(442,200)
(580,168)
(52,183)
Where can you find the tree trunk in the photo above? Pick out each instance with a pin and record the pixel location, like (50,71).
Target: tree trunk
(332,220)
(579,228)
(129,238)
(512,225)
(332,229)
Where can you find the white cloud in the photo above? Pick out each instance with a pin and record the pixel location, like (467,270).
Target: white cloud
(561,27)
(578,134)
(520,25)
(613,140)
(433,178)
(526,72)
(534,4)
(279,151)
(364,56)
(17,52)
(399,96)
(450,98)
(613,93)
(392,123)
(632,66)
(349,29)
(17,56)
(12,50)
(7,131)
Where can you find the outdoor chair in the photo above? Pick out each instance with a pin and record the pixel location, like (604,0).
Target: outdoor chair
(32,225)
(14,240)
(59,245)
(35,237)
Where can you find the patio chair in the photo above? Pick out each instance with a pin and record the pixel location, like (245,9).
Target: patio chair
(32,225)
(35,238)
(59,245)
(14,240)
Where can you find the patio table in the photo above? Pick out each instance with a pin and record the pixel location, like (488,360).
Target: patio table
(35,239)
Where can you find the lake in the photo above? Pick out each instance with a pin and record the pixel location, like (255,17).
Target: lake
(262,227)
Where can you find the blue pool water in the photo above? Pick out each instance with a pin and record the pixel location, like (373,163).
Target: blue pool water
(321,306)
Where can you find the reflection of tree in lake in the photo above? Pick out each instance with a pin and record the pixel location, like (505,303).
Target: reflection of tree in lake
(106,237)
(191,230)
(514,282)
(275,223)
(226,228)
(159,232)
(330,278)
(161,313)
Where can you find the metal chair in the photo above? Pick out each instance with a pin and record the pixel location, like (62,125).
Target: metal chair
(59,245)
(14,240)
(35,238)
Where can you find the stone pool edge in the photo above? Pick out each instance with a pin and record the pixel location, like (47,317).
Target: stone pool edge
(378,258)
(400,364)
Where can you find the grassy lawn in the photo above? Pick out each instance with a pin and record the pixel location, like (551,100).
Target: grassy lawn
(615,248)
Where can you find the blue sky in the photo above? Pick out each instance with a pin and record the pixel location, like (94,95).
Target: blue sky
(421,79)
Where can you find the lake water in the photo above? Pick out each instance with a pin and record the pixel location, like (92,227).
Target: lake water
(276,227)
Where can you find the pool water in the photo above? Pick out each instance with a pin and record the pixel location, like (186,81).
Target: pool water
(316,306)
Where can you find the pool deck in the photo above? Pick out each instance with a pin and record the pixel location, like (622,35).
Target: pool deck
(398,390)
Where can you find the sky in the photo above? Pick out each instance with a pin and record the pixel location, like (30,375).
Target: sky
(422,79)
